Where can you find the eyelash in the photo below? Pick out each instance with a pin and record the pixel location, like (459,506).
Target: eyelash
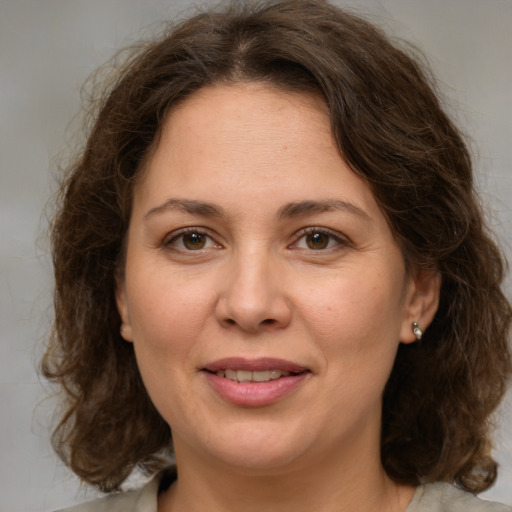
(312,230)
(168,242)
(333,235)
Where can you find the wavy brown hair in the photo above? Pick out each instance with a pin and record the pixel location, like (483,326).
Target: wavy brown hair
(391,129)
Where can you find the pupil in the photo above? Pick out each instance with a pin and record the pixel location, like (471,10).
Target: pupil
(317,241)
(194,241)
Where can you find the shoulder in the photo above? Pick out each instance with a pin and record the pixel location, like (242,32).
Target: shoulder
(140,500)
(443,497)
(126,501)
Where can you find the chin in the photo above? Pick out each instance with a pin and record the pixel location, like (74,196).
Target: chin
(260,460)
(260,448)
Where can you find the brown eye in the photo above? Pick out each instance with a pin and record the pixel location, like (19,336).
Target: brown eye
(317,240)
(189,240)
(194,241)
(320,239)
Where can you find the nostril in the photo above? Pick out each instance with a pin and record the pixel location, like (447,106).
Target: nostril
(267,321)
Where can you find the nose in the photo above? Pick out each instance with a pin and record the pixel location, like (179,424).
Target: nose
(253,295)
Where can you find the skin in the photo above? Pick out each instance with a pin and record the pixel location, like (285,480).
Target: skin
(323,287)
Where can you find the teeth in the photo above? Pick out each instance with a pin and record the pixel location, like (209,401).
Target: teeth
(246,376)
(243,376)
(230,374)
(261,376)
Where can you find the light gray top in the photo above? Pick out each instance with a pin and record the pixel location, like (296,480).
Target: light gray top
(442,497)
(438,497)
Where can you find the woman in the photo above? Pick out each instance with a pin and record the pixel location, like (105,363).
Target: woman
(271,247)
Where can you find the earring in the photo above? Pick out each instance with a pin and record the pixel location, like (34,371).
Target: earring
(417,330)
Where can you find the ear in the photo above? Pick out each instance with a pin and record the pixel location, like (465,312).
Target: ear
(422,301)
(122,308)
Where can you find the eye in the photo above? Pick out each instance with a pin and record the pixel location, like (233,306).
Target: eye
(190,240)
(316,239)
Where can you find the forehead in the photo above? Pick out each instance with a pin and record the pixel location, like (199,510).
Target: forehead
(250,142)
(257,117)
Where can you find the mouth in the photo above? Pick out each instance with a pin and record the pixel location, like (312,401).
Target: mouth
(262,369)
(256,376)
(254,382)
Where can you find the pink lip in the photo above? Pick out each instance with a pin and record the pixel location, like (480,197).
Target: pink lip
(254,365)
(254,394)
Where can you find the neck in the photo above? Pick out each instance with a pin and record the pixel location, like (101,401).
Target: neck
(330,482)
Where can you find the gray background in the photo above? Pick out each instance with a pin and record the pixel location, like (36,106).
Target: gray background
(49,47)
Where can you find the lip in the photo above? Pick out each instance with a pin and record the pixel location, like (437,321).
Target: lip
(254,365)
(254,394)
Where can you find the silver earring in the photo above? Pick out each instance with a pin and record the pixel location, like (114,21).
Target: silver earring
(417,330)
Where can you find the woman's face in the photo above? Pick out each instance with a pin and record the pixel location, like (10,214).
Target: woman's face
(264,292)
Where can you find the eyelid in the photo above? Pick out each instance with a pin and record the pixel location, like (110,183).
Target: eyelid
(174,235)
(342,240)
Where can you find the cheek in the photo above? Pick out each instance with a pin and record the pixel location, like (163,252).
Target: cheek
(168,317)
(355,306)
(356,327)
(356,322)
(166,311)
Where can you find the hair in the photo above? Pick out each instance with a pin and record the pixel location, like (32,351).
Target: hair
(390,127)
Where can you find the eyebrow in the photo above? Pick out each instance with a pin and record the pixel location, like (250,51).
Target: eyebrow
(188,206)
(287,211)
(306,207)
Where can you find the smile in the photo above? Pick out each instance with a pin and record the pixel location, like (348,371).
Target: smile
(255,376)
(254,382)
